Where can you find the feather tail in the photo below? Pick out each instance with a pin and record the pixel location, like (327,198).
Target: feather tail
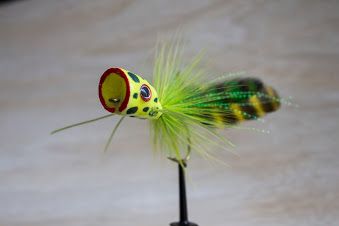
(243,99)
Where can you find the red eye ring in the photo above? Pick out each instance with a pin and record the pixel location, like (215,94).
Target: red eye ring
(145,92)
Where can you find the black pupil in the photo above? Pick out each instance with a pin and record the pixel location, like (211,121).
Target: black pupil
(144,92)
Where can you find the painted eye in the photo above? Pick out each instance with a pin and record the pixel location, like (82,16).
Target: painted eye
(145,92)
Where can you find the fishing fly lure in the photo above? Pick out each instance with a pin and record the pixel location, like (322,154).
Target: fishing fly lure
(183,107)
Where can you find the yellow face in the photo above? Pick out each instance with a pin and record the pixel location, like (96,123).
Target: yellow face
(125,93)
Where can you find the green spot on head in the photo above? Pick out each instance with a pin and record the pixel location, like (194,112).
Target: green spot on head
(156,100)
(145,109)
(132,110)
(135,95)
(134,77)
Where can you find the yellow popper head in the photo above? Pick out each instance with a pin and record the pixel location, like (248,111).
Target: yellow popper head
(125,93)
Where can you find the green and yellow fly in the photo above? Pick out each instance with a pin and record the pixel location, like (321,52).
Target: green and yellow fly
(184,108)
